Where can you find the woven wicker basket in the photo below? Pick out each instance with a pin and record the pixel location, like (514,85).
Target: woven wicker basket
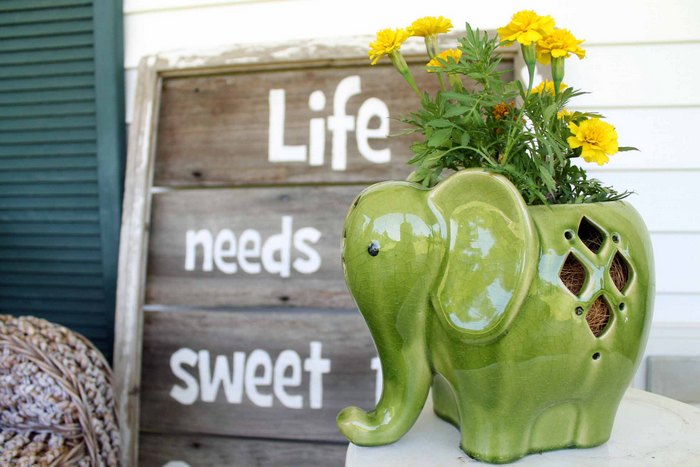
(56,399)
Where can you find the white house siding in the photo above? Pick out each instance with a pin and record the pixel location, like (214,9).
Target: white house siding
(642,64)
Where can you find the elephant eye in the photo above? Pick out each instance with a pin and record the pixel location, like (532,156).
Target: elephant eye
(373,248)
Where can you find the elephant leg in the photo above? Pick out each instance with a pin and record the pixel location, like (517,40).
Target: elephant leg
(555,426)
(495,433)
(572,424)
(595,423)
(490,436)
(444,401)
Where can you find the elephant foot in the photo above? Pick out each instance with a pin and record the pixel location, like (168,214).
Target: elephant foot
(485,435)
(563,426)
(572,425)
(506,435)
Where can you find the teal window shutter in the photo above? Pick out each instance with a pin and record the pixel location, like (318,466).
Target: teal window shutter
(61,161)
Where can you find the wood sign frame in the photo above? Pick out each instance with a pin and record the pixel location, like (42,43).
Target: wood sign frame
(141,217)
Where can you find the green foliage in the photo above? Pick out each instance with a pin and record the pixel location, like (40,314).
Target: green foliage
(502,127)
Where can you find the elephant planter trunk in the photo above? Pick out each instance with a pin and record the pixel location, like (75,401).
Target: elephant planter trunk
(528,322)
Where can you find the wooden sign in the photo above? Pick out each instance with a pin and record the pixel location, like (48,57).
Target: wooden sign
(237,341)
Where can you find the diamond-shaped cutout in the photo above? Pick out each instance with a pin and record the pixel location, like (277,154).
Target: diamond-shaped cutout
(590,235)
(573,274)
(619,271)
(598,316)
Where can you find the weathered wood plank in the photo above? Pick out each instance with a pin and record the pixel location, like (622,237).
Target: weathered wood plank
(296,215)
(288,372)
(205,451)
(132,260)
(215,130)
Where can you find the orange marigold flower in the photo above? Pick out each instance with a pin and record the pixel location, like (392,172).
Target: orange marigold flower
(500,110)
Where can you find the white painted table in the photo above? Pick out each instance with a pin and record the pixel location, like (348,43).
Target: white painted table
(649,430)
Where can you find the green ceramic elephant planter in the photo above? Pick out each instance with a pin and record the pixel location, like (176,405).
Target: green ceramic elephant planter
(527,321)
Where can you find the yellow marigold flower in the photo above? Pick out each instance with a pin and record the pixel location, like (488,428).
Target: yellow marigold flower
(430,25)
(560,44)
(527,27)
(597,139)
(548,87)
(445,55)
(564,114)
(387,41)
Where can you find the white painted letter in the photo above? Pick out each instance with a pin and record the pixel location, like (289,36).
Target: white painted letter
(277,151)
(281,243)
(317,129)
(188,394)
(317,367)
(373,107)
(221,251)
(193,238)
(288,359)
(313,260)
(340,123)
(249,236)
(222,376)
(258,358)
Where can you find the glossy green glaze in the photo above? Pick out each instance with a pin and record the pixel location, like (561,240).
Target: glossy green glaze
(460,287)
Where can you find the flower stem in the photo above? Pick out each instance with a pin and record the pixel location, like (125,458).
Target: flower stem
(529,56)
(455,82)
(557,73)
(400,64)
(442,81)
(431,45)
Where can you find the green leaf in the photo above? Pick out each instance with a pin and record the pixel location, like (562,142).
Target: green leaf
(455,111)
(433,158)
(439,137)
(458,96)
(440,123)
(417,158)
(549,111)
(418,147)
(626,148)
(464,139)
(547,178)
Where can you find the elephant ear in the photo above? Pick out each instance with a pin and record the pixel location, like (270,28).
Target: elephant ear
(491,257)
